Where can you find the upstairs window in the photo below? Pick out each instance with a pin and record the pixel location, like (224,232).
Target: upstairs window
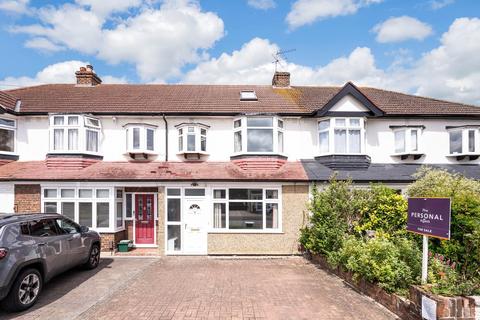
(258,135)
(192,137)
(248,95)
(7,136)
(341,136)
(140,138)
(463,141)
(406,140)
(74,134)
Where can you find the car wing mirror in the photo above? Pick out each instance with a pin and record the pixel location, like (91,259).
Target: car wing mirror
(84,229)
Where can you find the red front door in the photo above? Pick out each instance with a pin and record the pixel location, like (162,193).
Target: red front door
(144,219)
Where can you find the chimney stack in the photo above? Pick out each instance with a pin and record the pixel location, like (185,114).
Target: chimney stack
(87,77)
(281,79)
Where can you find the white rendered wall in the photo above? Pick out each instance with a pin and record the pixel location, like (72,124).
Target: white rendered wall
(300,138)
(7,198)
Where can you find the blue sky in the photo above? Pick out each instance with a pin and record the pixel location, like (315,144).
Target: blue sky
(426,47)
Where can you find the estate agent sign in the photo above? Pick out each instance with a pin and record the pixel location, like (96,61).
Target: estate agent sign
(429,217)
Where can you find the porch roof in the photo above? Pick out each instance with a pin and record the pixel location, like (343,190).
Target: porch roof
(150,171)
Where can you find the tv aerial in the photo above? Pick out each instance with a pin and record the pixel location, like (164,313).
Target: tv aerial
(279,57)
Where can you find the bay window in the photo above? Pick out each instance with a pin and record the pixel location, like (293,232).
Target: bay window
(98,208)
(258,135)
(406,140)
(7,136)
(140,138)
(192,137)
(241,209)
(463,141)
(341,136)
(74,134)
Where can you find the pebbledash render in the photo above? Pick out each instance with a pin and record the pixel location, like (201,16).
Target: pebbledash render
(214,169)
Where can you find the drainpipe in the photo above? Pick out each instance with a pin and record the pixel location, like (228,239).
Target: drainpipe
(166,138)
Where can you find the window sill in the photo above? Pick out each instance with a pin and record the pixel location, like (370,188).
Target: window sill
(72,154)
(246,231)
(142,151)
(203,153)
(462,156)
(405,155)
(193,155)
(8,156)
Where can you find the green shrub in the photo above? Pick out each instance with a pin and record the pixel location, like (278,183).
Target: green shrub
(391,263)
(464,245)
(333,213)
(383,211)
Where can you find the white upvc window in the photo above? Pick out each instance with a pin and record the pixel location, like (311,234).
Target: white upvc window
(192,138)
(140,138)
(406,140)
(94,207)
(341,136)
(463,141)
(246,209)
(74,134)
(258,135)
(8,131)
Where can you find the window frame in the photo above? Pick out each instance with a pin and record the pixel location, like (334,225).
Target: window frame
(93,199)
(83,126)
(12,129)
(243,128)
(200,132)
(407,140)
(264,202)
(465,131)
(331,135)
(143,129)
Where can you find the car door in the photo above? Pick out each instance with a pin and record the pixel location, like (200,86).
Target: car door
(78,245)
(51,244)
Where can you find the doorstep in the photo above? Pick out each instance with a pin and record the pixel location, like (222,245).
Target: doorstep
(138,252)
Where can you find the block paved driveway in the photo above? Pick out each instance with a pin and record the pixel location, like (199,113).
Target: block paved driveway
(204,288)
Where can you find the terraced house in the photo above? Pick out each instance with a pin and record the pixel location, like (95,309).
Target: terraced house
(213,169)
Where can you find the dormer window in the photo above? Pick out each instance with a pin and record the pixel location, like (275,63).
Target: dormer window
(8,129)
(192,138)
(341,136)
(258,135)
(248,95)
(140,138)
(463,142)
(74,134)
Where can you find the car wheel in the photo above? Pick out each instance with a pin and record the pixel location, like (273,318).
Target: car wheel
(93,257)
(24,292)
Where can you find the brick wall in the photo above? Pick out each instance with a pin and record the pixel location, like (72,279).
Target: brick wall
(161,219)
(107,238)
(28,198)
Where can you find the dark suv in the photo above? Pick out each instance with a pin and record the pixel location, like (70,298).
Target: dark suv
(36,247)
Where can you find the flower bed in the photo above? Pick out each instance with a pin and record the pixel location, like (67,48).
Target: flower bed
(448,308)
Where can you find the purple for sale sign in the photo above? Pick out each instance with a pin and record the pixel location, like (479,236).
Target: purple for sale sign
(429,216)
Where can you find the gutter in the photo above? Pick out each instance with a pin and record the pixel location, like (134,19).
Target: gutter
(166,137)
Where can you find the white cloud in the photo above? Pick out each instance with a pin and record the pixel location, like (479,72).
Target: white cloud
(402,28)
(62,72)
(451,71)
(439,4)
(308,11)
(158,41)
(253,64)
(42,44)
(14,6)
(262,4)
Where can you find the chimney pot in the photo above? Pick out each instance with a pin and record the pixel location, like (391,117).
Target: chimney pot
(87,77)
(281,79)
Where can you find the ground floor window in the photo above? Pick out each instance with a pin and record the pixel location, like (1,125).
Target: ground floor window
(246,209)
(95,207)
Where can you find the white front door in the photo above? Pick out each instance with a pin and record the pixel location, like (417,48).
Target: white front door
(195,226)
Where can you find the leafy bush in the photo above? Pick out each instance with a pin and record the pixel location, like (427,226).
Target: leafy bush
(464,245)
(384,211)
(333,213)
(391,263)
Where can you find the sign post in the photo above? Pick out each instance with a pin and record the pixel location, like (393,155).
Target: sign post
(429,217)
